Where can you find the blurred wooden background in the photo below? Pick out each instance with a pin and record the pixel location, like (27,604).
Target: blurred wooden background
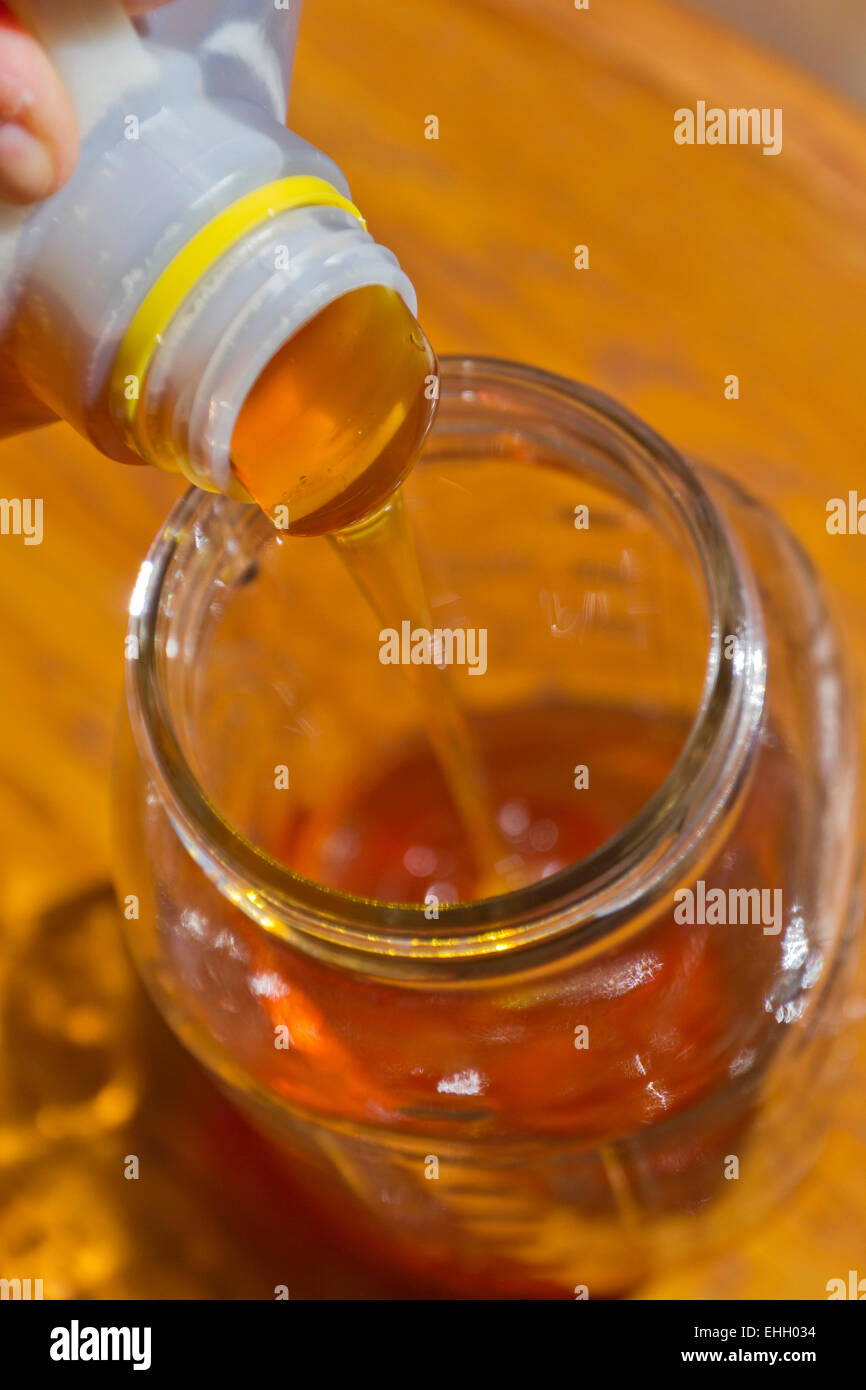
(828,39)
(555,129)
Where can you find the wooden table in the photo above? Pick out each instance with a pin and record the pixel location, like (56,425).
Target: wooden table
(555,129)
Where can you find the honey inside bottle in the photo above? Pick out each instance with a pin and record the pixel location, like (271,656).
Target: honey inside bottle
(335,420)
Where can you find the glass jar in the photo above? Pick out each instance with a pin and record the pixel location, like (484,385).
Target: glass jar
(554,1091)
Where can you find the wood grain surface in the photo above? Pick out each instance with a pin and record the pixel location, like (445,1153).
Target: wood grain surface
(555,129)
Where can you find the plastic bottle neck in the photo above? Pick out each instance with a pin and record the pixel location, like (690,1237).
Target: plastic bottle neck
(183,398)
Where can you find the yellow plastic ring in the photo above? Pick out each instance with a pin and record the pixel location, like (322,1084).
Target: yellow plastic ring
(163,300)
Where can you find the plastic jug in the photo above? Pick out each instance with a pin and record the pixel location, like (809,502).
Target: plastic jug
(195,239)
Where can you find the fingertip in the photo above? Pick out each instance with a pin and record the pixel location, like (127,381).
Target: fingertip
(38,127)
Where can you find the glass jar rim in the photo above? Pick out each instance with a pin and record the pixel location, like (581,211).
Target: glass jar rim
(620,881)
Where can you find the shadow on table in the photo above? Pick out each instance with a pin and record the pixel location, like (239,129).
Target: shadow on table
(92,1080)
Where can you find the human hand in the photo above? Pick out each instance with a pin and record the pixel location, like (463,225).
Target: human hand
(38,129)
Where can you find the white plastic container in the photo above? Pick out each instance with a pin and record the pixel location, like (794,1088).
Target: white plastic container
(195,237)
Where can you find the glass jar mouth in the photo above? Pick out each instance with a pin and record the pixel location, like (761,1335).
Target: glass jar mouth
(619,882)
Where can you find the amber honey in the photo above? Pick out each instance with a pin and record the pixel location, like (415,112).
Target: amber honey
(666,1019)
(335,420)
